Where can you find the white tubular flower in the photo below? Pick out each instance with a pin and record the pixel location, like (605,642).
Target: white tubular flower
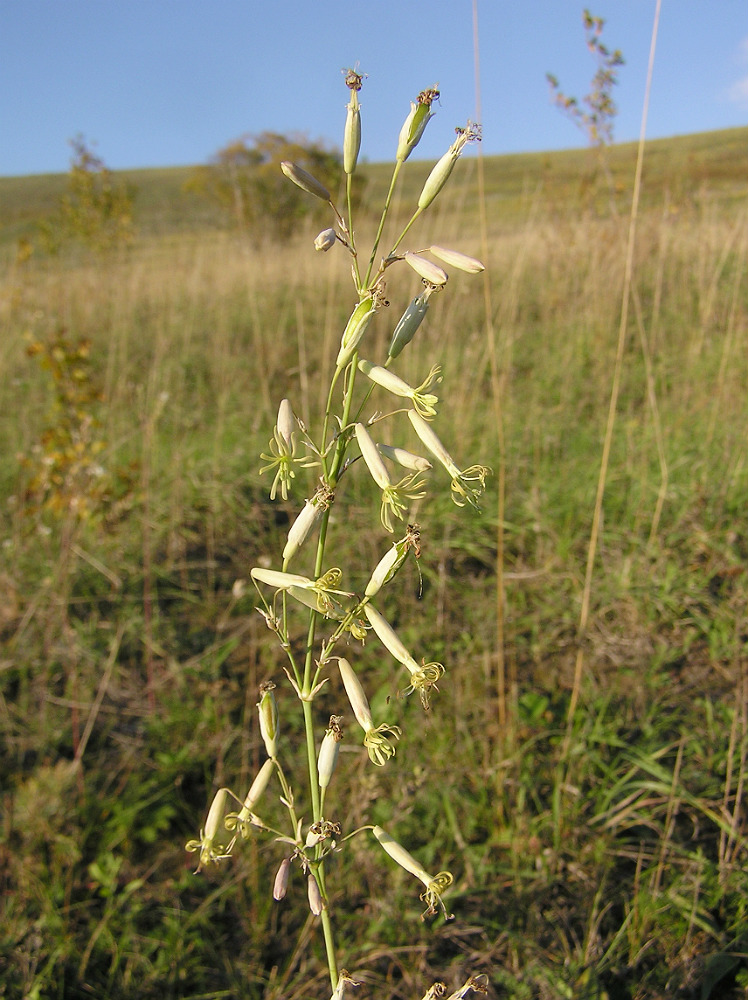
(305,522)
(282,454)
(415,123)
(387,635)
(281,581)
(325,240)
(422,398)
(373,459)
(416,463)
(435,884)
(304,180)
(377,740)
(356,694)
(297,586)
(210,853)
(471,265)
(327,758)
(410,487)
(462,489)
(431,273)
(240,822)
(268,710)
(422,678)
(355,329)
(440,174)
(387,567)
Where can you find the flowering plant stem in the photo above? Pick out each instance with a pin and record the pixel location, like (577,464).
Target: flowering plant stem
(327,605)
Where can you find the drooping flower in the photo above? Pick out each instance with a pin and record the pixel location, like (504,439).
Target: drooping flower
(210,852)
(423,399)
(422,678)
(463,490)
(394,495)
(377,739)
(283,452)
(241,821)
(435,884)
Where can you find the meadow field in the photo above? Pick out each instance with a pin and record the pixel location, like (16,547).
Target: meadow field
(582,769)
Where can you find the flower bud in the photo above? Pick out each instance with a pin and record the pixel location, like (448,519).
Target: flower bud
(325,240)
(268,710)
(429,271)
(304,180)
(316,904)
(471,265)
(280,885)
(328,752)
(286,424)
(301,528)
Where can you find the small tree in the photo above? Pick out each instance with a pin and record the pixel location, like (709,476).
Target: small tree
(595,116)
(245,179)
(96,209)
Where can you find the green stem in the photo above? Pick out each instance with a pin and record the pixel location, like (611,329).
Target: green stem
(385,210)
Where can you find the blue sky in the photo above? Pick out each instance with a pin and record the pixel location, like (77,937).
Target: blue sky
(168,82)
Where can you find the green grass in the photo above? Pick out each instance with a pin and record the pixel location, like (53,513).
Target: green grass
(607,859)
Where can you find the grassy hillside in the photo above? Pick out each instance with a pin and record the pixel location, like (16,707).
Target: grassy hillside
(683,165)
(581,774)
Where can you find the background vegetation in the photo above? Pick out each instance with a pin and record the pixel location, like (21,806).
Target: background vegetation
(601,854)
